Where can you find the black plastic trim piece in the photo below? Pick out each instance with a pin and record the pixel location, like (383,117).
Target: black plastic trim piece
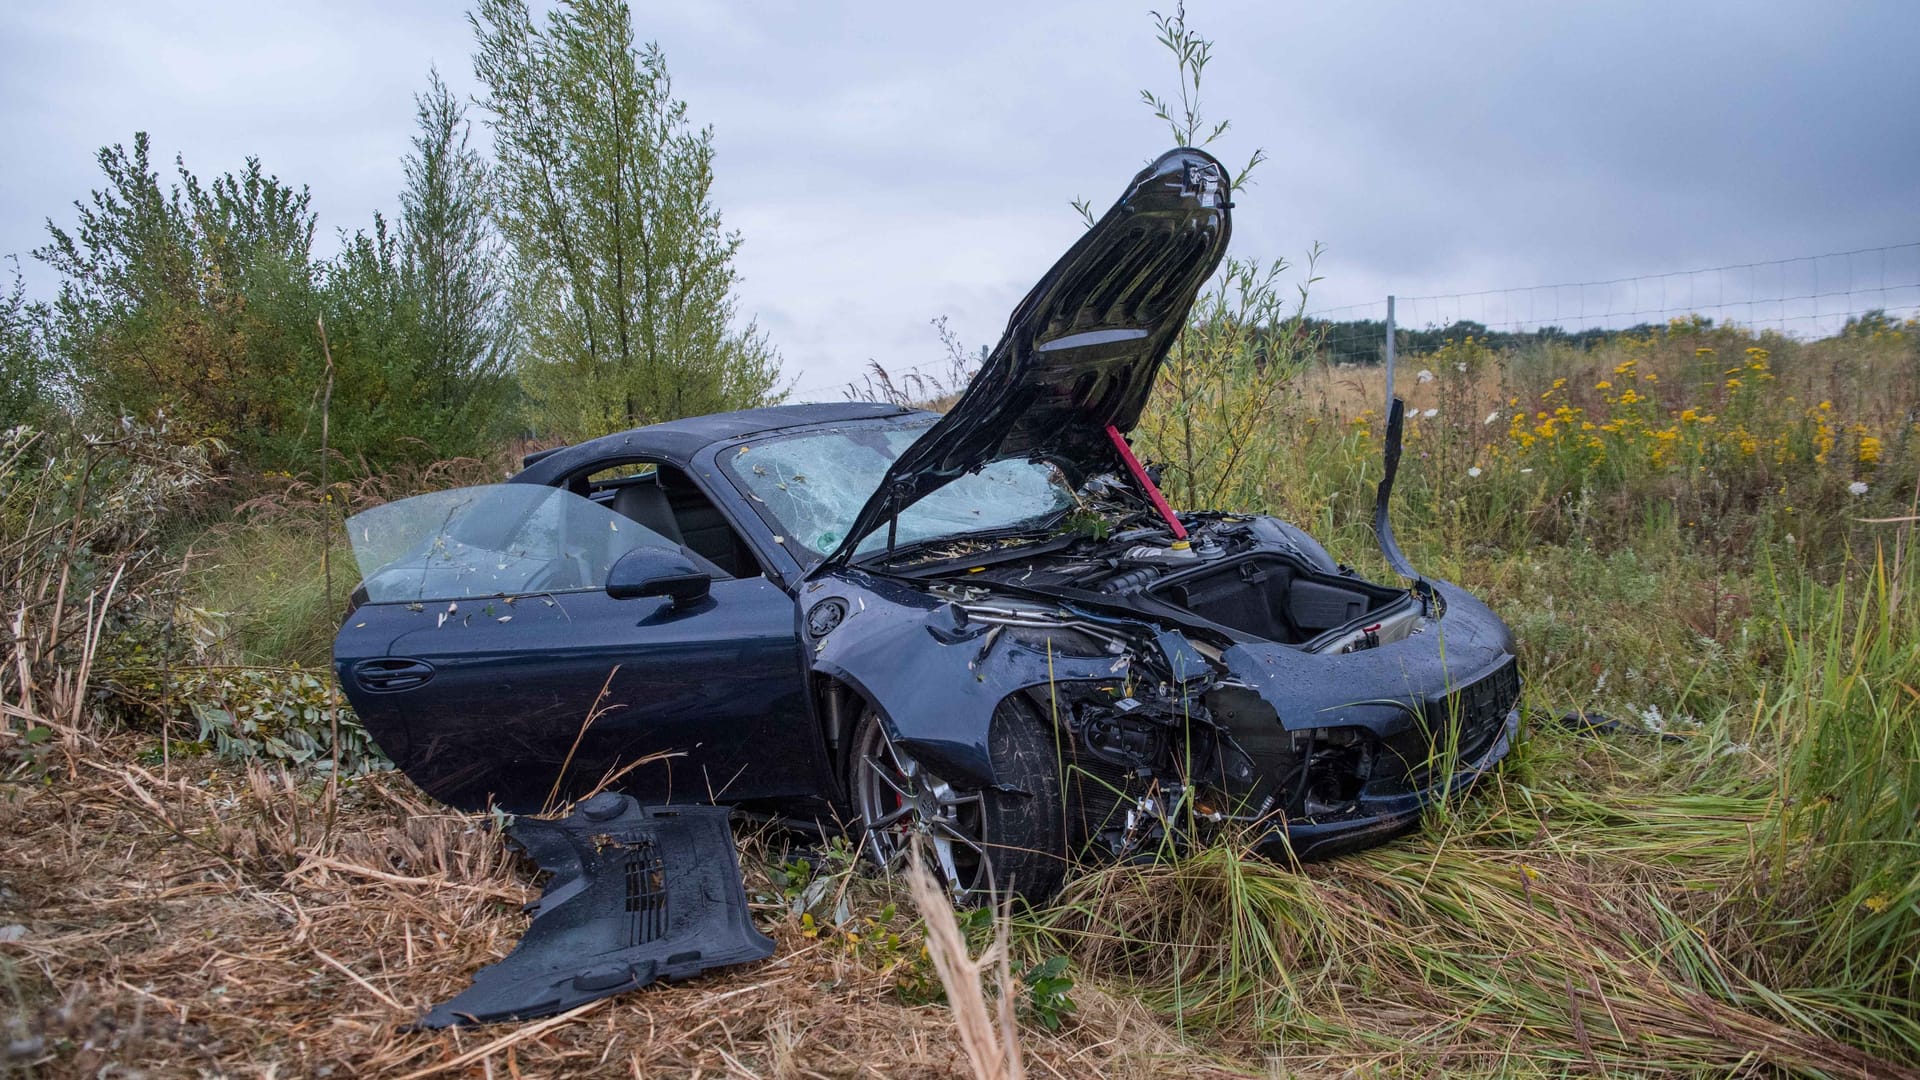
(1382,523)
(638,893)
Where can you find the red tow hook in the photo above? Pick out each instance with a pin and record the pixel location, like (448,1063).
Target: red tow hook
(1146,483)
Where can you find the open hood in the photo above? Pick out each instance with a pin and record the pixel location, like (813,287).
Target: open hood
(1082,350)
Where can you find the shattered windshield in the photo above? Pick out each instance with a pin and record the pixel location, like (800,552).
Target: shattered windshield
(814,483)
(490,540)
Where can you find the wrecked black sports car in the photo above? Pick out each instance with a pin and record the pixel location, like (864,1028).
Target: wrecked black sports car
(984,627)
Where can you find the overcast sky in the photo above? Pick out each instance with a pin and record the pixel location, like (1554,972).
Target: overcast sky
(887,165)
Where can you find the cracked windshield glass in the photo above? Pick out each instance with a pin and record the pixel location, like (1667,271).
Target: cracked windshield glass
(814,483)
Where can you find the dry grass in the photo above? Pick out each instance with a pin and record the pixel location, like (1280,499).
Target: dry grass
(1458,952)
(203,921)
(988,1035)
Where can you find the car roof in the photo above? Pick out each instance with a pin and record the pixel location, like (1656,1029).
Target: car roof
(677,441)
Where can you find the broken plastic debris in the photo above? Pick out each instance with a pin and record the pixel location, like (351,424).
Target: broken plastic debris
(638,893)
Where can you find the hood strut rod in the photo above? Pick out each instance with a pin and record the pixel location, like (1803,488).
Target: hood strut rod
(1146,484)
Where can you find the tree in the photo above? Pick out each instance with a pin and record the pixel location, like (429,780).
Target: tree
(623,274)
(1224,382)
(451,261)
(197,300)
(422,342)
(27,372)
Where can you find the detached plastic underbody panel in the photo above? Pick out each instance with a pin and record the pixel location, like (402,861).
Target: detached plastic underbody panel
(638,893)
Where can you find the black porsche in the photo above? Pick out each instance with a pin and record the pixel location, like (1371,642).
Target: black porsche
(984,627)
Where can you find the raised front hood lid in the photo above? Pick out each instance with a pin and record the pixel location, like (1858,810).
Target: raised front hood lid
(1081,351)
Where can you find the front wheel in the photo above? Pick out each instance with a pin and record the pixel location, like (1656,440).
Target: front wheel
(979,840)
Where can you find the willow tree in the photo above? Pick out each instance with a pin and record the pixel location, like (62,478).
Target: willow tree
(623,274)
(191,299)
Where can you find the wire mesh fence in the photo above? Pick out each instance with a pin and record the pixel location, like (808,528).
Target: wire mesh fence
(1804,298)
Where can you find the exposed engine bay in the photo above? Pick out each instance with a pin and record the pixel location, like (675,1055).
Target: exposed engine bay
(1235,578)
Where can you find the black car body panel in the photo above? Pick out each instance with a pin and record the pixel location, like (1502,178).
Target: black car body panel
(504,710)
(634,895)
(1246,675)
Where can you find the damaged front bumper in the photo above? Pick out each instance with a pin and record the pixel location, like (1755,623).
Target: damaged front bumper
(1378,817)
(1317,753)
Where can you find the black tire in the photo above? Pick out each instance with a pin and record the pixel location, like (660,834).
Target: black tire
(1021,830)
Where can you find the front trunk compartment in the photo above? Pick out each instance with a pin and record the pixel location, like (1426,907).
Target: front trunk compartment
(1271,597)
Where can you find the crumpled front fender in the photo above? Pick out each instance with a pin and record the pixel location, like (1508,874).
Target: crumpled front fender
(934,679)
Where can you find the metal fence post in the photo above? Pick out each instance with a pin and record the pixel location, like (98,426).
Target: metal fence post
(1388,411)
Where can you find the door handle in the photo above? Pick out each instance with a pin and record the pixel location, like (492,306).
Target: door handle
(390,673)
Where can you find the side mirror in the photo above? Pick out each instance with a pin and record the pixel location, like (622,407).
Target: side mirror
(654,571)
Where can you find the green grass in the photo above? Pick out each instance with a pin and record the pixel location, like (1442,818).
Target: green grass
(1740,894)
(263,578)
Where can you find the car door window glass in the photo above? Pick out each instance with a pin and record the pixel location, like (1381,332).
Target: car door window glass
(490,540)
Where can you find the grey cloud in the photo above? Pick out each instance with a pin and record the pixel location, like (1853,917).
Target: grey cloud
(889,164)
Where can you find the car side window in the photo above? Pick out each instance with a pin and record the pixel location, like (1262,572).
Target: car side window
(666,500)
(492,540)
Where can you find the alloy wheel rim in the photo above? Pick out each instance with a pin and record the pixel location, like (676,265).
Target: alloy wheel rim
(899,798)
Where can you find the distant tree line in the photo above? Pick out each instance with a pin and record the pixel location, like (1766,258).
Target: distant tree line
(1360,341)
(579,282)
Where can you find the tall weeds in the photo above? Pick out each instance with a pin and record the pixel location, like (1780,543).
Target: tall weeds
(1733,880)
(80,587)
(1837,877)
(1225,385)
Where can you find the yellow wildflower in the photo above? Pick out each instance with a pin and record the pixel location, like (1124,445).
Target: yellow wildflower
(1603,384)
